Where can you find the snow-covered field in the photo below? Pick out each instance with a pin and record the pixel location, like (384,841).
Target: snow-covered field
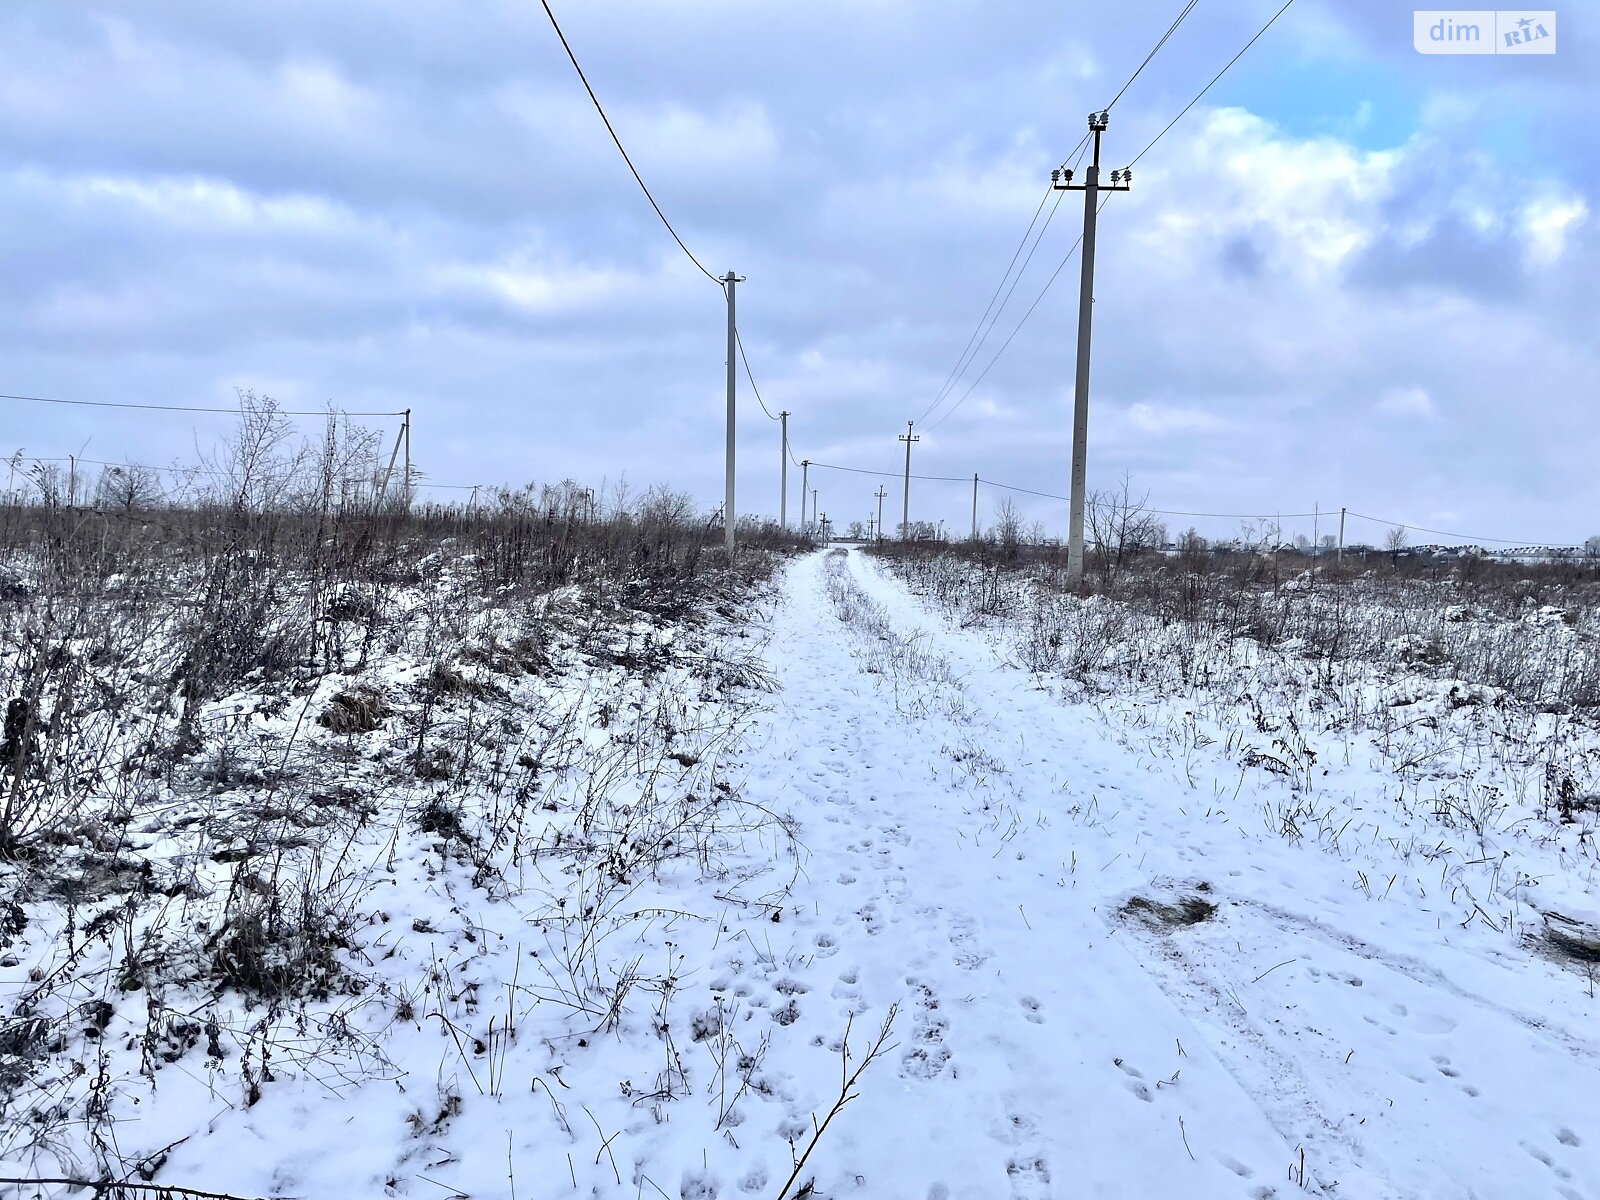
(1240,938)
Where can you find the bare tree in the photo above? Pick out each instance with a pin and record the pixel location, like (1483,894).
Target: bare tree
(1121,527)
(1591,547)
(53,484)
(1007,528)
(1395,541)
(128,488)
(1260,536)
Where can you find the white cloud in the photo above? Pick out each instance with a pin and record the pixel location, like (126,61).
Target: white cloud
(1165,420)
(1547,222)
(539,289)
(1407,402)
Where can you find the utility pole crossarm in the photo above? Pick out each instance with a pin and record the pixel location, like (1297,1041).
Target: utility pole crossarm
(1061,177)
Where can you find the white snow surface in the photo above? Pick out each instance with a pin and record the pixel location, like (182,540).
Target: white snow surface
(1025,878)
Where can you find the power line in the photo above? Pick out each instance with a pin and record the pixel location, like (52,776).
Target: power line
(1061,266)
(179,472)
(1476,539)
(1139,156)
(1011,487)
(1162,512)
(1009,293)
(970,351)
(1214,79)
(215,473)
(1171,29)
(1175,512)
(1466,537)
(282,412)
(890,474)
(639,179)
(961,359)
(751,375)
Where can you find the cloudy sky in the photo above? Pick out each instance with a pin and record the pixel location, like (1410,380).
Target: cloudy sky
(1353,275)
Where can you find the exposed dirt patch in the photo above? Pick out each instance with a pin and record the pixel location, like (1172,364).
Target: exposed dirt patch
(360,710)
(1568,941)
(1178,913)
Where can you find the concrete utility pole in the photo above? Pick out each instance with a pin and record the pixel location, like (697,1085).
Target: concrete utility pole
(905,505)
(783,472)
(1341,534)
(408,460)
(881,494)
(402,437)
(1061,180)
(974,506)
(728,281)
(1316,530)
(814,504)
(805,470)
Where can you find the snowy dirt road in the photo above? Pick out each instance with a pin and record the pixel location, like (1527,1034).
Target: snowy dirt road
(1113,979)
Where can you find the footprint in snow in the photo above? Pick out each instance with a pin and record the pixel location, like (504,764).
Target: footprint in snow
(1134,1081)
(969,956)
(924,1062)
(1433,1023)
(1029,1176)
(1014,1130)
(1234,1165)
(928,1054)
